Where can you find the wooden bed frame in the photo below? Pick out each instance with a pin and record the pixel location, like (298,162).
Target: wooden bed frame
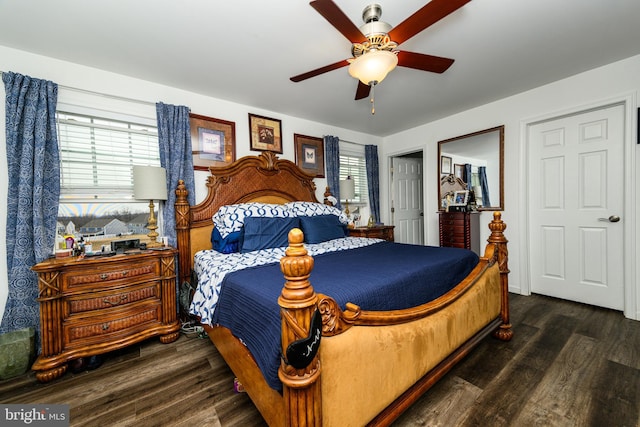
(371,366)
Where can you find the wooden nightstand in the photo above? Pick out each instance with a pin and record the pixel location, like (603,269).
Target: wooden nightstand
(379,231)
(95,305)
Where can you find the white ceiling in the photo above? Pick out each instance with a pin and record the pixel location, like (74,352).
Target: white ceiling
(246,50)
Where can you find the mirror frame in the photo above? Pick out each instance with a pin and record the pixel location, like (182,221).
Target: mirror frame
(500,142)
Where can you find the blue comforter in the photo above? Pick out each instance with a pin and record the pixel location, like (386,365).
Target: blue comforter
(383,276)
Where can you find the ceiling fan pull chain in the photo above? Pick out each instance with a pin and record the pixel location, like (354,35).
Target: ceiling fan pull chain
(373,99)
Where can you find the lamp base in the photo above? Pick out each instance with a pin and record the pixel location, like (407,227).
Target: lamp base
(152,227)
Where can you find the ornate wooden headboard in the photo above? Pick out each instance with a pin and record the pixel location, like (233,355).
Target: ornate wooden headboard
(262,178)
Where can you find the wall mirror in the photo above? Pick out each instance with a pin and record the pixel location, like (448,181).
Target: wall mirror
(476,157)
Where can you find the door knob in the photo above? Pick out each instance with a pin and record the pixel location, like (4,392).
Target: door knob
(612,218)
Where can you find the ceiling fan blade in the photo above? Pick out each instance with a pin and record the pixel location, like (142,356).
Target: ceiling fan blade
(362,91)
(319,71)
(336,17)
(428,15)
(420,61)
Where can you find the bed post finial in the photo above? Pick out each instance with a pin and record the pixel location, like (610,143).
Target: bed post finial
(497,227)
(182,232)
(298,302)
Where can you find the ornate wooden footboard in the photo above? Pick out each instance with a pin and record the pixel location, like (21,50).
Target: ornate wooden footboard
(359,350)
(302,396)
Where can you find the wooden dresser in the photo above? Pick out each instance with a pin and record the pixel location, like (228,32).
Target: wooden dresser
(460,230)
(95,305)
(379,232)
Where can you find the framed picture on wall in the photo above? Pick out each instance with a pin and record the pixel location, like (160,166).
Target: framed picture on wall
(213,141)
(265,134)
(445,165)
(309,154)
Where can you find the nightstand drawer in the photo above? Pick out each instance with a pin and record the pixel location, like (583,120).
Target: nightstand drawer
(81,331)
(378,232)
(124,273)
(101,301)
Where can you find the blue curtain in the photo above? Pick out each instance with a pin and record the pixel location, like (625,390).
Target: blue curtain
(468,176)
(174,134)
(373,179)
(34,189)
(482,173)
(332,161)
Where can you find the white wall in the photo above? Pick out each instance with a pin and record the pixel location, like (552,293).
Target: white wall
(614,82)
(90,79)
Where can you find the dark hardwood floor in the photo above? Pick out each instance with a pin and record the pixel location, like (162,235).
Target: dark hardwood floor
(568,365)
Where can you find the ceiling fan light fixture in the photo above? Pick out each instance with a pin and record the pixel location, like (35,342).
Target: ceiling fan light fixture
(373,66)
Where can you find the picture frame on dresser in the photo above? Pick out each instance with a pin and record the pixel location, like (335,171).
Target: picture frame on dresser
(309,156)
(265,134)
(213,141)
(460,198)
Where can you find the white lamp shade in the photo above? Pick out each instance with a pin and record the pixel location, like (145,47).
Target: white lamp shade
(347,189)
(373,66)
(149,183)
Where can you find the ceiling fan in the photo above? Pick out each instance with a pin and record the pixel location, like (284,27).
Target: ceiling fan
(374,44)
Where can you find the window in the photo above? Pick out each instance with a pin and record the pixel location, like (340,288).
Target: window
(97,154)
(354,165)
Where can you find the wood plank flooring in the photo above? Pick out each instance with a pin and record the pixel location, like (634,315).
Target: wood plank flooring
(568,364)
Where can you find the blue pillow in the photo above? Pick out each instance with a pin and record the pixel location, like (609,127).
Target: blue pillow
(264,233)
(320,228)
(227,245)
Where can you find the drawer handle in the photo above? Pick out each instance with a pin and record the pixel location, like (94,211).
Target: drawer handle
(122,299)
(105,326)
(105,276)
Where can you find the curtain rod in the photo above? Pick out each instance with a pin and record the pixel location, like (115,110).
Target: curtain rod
(105,95)
(351,142)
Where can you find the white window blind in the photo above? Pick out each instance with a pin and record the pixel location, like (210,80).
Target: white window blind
(355,166)
(97,155)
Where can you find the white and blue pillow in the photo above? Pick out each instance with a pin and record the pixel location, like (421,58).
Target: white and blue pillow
(246,227)
(230,218)
(315,209)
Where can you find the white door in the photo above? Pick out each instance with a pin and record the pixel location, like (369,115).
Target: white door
(575,207)
(407,206)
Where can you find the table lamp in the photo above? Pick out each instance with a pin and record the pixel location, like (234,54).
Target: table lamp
(150,183)
(347,191)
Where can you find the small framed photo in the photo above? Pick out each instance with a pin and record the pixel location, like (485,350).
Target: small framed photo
(213,141)
(265,133)
(445,165)
(309,154)
(460,198)
(458,171)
